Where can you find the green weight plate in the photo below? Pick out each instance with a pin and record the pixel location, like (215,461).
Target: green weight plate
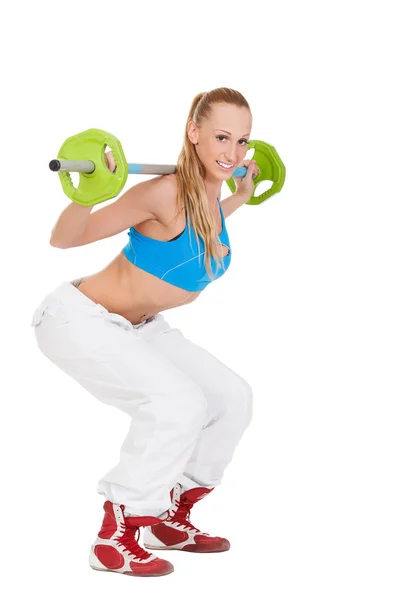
(100,185)
(271,169)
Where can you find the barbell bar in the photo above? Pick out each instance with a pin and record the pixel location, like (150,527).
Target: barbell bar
(84,154)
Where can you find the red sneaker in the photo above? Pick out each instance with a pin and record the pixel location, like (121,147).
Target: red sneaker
(176,532)
(116,548)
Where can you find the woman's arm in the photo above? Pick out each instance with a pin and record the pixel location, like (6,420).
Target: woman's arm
(70,225)
(142,202)
(232,203)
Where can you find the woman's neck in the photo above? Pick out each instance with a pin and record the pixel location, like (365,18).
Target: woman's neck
(213,189)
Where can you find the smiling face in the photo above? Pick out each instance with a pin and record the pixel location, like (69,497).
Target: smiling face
(222,139)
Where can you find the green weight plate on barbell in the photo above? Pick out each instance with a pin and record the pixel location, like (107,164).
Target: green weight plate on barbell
(271,169)
(100,185)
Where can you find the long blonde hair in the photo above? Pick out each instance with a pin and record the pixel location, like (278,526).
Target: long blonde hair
(190,174)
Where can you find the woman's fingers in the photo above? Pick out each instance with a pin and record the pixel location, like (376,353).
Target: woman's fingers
(253,164)
(110,162)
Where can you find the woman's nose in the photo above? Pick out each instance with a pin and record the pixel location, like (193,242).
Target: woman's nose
(230,158)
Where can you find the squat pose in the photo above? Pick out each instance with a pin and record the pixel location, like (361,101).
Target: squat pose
(188,410)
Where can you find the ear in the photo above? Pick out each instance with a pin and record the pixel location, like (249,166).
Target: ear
(193,132)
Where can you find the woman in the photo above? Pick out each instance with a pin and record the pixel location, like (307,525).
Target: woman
(188,411)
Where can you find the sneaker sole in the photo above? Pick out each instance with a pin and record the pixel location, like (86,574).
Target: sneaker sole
(189,548)
(131,573)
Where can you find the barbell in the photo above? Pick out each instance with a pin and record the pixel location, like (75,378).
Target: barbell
(84,154)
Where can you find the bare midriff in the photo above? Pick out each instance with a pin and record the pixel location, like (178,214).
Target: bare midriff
(125,289)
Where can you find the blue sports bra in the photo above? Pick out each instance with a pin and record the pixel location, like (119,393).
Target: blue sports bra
(177,261)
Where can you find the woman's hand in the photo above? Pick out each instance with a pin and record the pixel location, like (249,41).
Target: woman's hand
(245,185)
(110,162)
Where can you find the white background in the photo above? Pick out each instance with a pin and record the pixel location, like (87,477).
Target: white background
(307,313)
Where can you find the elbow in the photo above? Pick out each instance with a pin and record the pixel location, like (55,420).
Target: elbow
(57,244)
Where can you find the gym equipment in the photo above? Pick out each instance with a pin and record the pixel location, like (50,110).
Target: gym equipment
(96,182)
(271,169)
(84,153)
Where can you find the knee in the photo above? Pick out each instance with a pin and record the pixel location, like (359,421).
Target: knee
(247,399)
(240,399)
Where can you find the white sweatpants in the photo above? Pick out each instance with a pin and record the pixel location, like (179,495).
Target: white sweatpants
(188,410)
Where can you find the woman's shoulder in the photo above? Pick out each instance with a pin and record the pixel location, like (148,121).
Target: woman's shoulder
(169,184)
(166,200)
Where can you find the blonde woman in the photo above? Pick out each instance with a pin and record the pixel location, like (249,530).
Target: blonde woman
(188,410)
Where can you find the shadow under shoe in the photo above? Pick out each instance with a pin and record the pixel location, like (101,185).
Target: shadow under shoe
(117,550)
